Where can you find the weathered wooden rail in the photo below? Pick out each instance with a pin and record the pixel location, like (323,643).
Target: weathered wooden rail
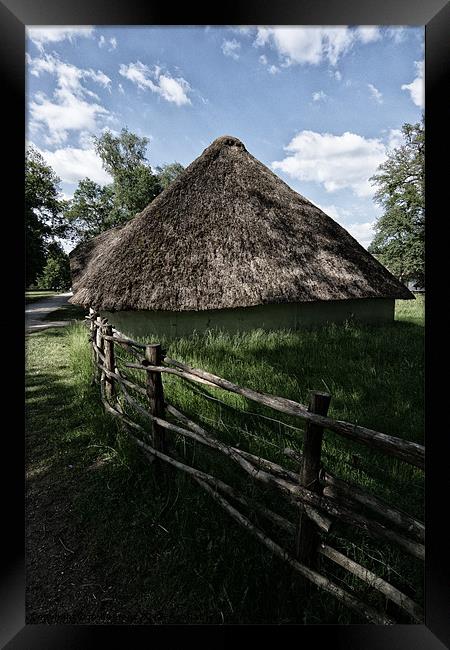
(321,499)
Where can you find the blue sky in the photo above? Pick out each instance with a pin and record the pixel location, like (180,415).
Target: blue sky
(320,106)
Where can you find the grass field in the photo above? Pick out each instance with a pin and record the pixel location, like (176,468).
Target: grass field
(121,547)
(67,312)
(34,296)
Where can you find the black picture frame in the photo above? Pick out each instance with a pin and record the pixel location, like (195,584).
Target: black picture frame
(14,16)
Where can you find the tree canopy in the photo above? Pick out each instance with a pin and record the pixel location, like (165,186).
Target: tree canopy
(56,272)
(91,210)
(134,183)
(399,241)
(94,209)
(168,173)
(43,212)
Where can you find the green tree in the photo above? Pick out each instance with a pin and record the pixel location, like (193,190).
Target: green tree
(399,241)
(134,183)
(43,212)
(56,272)
(168,173)
(91,210)
(94,209)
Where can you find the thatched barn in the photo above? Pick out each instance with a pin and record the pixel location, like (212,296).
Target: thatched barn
(230,245)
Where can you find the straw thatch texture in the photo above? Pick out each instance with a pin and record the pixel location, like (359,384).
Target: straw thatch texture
(87,252)
(227,233)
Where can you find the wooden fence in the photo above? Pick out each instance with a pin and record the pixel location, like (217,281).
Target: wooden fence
(321,499)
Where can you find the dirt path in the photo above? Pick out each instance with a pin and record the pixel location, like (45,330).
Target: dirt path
(63,584)
(36,311)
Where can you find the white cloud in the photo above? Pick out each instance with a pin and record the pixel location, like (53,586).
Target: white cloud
(42,35)
(398,34)
(72,164)
(272,69)
(231,48)
(416,87)
(395,139)
(362,232)
(68,110)
(102,42)
(294,44)
(244,30)
(337,41)
(85,139)
(121,90)
(337,75)
(99,77)
(312,45)
(335,161)
(66,196)
(68,114)
(376,94)
(262,36)
(337,213)
(174,90)
(68,76)
(368,34)
(318,96)
(137,73)
(171,89)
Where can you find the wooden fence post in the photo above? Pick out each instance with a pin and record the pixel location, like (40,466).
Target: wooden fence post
(92,333)
(100,344)
(110,362)
(307,538)
(155,393)
(93,339)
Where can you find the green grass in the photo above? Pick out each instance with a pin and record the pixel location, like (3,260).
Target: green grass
(67,312)
(411,311)
(166,550)
(34,296)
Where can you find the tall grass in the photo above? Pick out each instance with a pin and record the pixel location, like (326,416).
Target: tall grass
(34,296)
(190,563)
(374,374)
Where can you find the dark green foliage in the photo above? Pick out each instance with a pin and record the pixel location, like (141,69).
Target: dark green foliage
(91,210)
(134,184)
(123,152)
(43,212)
(56,272)
(134,189)
(400,232)
(95,209)
(168,173)
(35,234)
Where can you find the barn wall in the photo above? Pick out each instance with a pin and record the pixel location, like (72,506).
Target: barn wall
(289,316)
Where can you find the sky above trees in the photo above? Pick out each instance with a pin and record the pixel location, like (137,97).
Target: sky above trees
(320,106)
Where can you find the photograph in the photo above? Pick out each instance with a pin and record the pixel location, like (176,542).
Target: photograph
(225,325)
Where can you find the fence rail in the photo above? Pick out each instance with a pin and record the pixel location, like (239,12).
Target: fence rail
(321,499)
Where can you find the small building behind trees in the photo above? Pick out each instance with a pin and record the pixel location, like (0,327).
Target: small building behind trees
(229,245)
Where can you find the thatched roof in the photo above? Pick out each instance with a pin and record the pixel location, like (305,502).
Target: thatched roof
(226,233)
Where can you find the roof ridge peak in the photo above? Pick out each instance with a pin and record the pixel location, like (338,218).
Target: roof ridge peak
(227,141)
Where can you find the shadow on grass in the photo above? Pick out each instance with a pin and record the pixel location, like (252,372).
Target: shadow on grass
(147,553)
(143,552)
(374,374)
(67,312)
